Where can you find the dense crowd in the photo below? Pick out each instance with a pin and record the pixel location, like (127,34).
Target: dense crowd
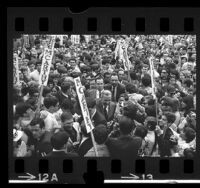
(129,121)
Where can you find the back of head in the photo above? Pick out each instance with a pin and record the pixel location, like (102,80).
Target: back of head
(21,108)
(146,80)
(66,104)
(170,117)
(151,123)
(140,131)
(59,139)
(65,86)
(50,101)
(189,134)
(66,116)
(100,133)
(91,102)
(126,125)
(130,110)
(131,88)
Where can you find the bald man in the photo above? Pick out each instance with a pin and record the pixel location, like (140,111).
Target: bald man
(106,106)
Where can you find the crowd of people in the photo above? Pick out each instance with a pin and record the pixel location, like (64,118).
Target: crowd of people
(129,121)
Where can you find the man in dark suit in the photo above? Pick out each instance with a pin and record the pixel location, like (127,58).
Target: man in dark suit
(126,146)
(106,106)
(64,93)
(117,88)
(42,138)
(59,143)
(96,115)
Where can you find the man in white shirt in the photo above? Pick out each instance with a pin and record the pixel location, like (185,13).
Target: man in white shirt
(51,106)
(36,73)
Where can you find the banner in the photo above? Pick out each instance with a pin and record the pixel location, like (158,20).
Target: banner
(26,41)
(152,77)
(87,38)
(125,57)
(46,63)
(121,52)
(83,104)
(75,39)
(16,69)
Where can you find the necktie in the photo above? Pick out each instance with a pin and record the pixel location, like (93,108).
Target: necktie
(114,93)
(105,112)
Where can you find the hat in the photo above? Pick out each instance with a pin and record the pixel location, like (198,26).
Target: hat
(17,134)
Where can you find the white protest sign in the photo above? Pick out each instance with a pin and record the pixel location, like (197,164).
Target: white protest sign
(87,38)
(16,69)
(75,39)
(46,63)
(152,76)
(83,104)
(124,46)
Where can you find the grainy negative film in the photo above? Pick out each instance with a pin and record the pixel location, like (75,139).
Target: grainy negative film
(107,95)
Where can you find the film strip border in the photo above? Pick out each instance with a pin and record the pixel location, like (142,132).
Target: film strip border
(66,170)
(147,20)
(103,21)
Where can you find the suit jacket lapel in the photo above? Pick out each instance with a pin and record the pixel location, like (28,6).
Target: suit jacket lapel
(110,110)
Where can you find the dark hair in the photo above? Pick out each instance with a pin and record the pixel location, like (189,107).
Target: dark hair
(91,102)
(66,104)
(31,62)
(38,62)
(65,86)
(125,96)
(59,139)
(189,134)
(170,117)
(133,75)
(188,100)
(50,101)
(130,110)
(46,90)
(39,121)
(126,125)
(100,133)
(150,110)
(131,88)
(188,82)
(66,116)
(146,80)
(188,153)
(33,90)
(21,108)
(151,123)
(141,131)
(175,105)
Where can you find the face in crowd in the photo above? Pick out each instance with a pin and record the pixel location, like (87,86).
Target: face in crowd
(72,63)
(145,69)
(114,80)
(39,67)
(37,131)
(68,124)
(106,97)
(163,121)
(121,75)
(92,84)
(99,84)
